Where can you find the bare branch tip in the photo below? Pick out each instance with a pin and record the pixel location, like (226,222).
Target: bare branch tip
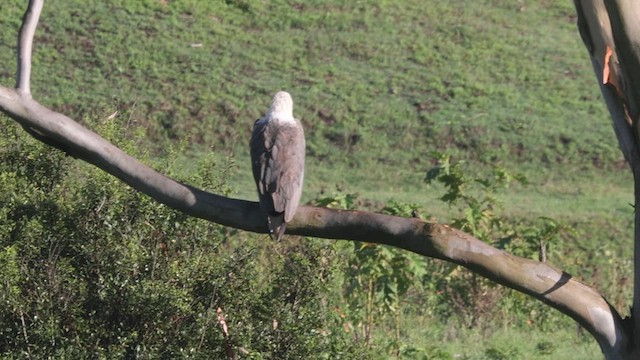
(25,46)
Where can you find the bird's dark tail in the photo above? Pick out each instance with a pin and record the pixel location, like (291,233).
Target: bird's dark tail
(276,225)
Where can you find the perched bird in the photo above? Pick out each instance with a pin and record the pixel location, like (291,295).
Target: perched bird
(277,158)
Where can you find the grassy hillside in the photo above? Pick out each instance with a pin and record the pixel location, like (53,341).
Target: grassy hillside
(377,84)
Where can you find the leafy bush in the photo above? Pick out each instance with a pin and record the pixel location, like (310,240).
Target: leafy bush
(90,268)
(476,300)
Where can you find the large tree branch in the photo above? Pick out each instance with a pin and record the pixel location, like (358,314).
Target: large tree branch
(537,279)
(550,285)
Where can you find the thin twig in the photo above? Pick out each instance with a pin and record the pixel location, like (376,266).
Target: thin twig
(25,46)
(228,346)
(24,333)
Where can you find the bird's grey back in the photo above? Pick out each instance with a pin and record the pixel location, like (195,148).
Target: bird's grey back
(278,154)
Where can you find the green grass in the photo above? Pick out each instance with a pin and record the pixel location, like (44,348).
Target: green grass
(566,344)
(490,81)
(534,344)
(377,84)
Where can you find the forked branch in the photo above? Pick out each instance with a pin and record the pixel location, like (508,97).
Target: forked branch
(537,279)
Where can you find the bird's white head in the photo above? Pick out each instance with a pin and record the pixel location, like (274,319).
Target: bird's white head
(281,106)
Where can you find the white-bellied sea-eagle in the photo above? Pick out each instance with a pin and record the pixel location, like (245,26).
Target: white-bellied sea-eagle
(277,158)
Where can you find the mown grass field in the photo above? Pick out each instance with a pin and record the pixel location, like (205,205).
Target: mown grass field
(378,86)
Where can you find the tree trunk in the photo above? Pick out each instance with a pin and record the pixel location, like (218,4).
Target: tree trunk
(611,33)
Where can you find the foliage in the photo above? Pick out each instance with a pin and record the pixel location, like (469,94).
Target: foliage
(90,268)
(474,298)
(381,283)
(375,278)
(479,210)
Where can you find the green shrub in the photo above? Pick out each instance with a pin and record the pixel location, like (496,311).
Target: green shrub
(90,268)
